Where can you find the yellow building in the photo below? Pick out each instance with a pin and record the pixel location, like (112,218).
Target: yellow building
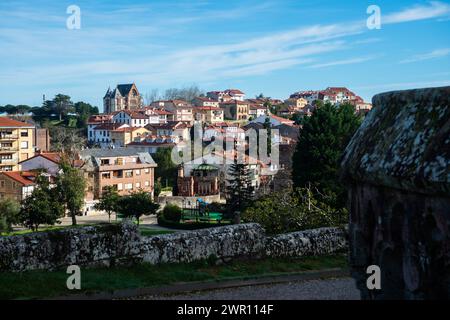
(297,103)
(16,143)
(208,114)
(123,136)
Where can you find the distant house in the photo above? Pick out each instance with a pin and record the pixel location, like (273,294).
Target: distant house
(102,133)
(274,120)
(256,111)
(235,94)
(94,121)
(208,114)
(178,129)
(235,110)
(133,118)
(16,185)
(226,95)
(123,97)
(121,137)
(205,102)
(181,110)
(203,180)
(48,161)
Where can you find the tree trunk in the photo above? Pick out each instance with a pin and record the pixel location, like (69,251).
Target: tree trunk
(74,220)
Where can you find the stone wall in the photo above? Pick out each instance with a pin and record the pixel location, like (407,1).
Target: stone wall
(121,244)
(307,243)
(92,245)
(244,240)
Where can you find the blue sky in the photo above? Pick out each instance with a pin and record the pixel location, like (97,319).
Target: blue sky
(275,47)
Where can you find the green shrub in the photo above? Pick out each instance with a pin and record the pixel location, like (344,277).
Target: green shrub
(290,211)
(172,212)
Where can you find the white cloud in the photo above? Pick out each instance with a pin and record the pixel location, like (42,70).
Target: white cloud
(341,62)
(435,9)
(438,53)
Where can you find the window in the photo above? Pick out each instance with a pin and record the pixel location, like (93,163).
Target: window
(2,183)
(147,183)
(128,186)
(105,162)
(24,133)
(138,172)
(24,144)
(128,173)
(138,185)
(119,186)
(147,171)
(106,175)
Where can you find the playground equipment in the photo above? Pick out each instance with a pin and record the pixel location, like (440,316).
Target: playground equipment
(199,212)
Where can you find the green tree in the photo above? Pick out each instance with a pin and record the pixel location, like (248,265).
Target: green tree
(71,188)
(62,105)
(322,141)
(137,204)
(158,187)
(166,169)
(40,207)
(9,214)
(84,110)
(239,187)
(268,127)
(109,201)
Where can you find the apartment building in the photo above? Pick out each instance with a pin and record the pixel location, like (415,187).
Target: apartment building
(16,143)
(127,169)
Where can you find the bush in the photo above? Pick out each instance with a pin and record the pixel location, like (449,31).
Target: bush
(186,226)
(9,211)
(172,212)
(290,211)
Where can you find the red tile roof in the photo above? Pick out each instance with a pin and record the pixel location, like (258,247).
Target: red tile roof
(10,123)
(20,176)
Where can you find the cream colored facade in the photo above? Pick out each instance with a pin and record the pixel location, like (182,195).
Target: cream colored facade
(208,114)
(297,103)
(123,136)
(16,143)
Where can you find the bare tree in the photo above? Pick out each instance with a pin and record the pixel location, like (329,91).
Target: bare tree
(152,96)
(67,141)
(187,93)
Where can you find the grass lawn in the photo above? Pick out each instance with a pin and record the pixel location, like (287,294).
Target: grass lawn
(42,229)
(41,284)
(146,232)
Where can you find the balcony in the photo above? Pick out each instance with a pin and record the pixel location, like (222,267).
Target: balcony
(6,162)
(9,149)
(9,136)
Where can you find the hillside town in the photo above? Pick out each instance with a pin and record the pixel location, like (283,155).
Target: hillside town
(122,141)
